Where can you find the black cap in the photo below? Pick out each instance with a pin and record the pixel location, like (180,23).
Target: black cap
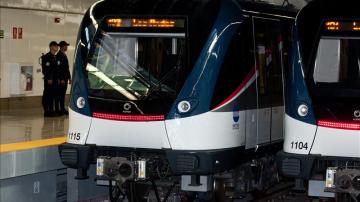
(53,43)
(63,43)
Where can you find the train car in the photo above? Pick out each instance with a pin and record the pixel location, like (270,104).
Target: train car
(187,88)
(322,98)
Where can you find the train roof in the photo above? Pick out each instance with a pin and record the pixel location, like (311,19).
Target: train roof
(268,8)
(154,7)
(183,7)
(310,18)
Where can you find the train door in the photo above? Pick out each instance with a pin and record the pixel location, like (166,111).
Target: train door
(251,115)
(268,45)
(277,81)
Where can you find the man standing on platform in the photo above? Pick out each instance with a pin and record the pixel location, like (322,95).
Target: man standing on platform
(64,76)
(50,65)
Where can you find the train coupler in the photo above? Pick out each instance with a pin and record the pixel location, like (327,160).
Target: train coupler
(343,180)
(120,169)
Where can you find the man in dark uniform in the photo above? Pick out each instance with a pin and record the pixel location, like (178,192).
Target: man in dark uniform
(50,65)
(64,76)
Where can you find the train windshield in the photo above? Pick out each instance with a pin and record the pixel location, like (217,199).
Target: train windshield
(337,67)
(136,66)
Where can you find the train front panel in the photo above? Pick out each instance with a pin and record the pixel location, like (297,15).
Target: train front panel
(134,90)
(197,92)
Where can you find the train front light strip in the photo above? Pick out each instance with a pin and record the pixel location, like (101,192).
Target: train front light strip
(339,125)
(121,117)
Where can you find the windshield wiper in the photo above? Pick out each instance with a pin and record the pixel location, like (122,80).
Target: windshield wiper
(128,67)
(167,76)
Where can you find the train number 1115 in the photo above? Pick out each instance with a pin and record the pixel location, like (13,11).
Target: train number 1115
(74,136)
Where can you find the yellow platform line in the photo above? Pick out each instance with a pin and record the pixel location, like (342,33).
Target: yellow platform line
(31,144)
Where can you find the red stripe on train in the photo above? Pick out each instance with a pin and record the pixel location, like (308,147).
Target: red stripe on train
(238,89)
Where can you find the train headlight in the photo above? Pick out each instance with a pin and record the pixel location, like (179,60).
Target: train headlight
(184,106)
(80,102)
(303,110)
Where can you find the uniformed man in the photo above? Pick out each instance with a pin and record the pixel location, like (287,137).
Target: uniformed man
(50,65)
(64,75)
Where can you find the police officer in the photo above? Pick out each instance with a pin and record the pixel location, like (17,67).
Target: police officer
(64,76)
(50,65)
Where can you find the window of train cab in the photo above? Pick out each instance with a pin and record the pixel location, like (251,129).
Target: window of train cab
(335,69)
(138,59)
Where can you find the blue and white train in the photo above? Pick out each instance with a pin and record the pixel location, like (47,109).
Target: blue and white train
(193,85)
(322,120)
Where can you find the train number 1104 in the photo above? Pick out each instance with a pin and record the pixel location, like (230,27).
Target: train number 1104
(299,145)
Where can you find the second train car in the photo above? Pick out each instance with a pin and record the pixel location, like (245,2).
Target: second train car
(322,121)
(188,88)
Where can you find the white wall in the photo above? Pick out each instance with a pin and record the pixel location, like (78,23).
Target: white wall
(36,18)
(78,6)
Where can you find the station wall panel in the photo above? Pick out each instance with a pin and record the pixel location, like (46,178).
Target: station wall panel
(36,19)
(52,5)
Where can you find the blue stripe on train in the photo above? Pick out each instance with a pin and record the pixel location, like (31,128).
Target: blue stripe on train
(199,86)
(79,87)
(296,89)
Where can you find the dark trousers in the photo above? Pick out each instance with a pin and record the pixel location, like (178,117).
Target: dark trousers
(48,98)
(60,97)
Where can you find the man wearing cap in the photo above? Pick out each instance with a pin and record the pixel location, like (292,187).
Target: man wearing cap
(64,76)
(50,65)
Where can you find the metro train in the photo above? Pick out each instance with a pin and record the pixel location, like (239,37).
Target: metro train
(177,88)
(322,120)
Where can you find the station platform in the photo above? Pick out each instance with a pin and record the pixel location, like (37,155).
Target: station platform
(30,167)
(28,125)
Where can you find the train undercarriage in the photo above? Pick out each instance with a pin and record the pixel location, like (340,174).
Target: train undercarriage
(149,178)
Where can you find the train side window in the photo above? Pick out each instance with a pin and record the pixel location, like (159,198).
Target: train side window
(238,61)
(86,36)
(271,57)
